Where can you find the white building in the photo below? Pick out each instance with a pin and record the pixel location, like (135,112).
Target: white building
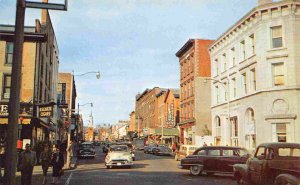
(255,64)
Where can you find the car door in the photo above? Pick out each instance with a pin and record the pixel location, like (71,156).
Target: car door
(228,159)
(256,165)
(212,160)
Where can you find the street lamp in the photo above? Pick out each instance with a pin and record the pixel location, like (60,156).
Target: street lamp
(14,100)
(227,90)
(97,74)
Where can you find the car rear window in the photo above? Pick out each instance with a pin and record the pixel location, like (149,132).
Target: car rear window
(289,152)
(229,152)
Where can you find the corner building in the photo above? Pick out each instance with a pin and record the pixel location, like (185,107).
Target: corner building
(256,69)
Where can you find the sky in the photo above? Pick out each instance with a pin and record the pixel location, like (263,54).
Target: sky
(131,42)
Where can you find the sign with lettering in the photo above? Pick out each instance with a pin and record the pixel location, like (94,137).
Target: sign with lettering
(3,110)
(45,111)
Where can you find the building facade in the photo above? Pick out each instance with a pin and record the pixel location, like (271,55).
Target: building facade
(256,88)
(146,110)
(38,115)
(195,95)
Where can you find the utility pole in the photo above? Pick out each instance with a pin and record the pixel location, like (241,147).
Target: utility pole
(14,100)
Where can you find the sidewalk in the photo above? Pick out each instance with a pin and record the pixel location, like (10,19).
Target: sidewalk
(37,176)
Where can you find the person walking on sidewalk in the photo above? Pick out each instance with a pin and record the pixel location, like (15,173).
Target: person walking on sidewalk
(45,161)
(71,150)
(2,156)
(57,161)
(26,164)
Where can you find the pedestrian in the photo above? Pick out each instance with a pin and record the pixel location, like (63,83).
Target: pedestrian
(204,144)
(2,156)
(174,147)
(45,161)
(57,161)
(26,164)
(71,150)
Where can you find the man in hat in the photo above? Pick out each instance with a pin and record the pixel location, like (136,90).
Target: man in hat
(26,164)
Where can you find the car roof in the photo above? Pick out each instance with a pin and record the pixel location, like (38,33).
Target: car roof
(279,145)
(87,143)
(221,147)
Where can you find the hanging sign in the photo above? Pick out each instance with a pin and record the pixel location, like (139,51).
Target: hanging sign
(45,111)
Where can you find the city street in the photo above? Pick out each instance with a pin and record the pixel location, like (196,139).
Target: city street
(147,170)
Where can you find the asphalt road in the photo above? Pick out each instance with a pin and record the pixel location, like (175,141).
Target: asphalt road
(147,170)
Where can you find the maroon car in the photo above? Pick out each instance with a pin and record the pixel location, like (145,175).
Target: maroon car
(214,159)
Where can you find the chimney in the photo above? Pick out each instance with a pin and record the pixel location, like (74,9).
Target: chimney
(44,14)
(263,2)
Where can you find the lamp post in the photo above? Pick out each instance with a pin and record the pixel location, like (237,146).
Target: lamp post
(69,131)
(227,90)
(78,105)
(14,100)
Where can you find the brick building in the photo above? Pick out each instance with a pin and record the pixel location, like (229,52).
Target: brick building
(195,95)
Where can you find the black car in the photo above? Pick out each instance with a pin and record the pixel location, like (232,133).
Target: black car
(214,159)
(86,149)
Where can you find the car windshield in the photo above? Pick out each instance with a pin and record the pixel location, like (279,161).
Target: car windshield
(119,148)
(86,146)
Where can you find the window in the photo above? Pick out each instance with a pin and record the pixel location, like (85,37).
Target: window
(291,152)
(217,94)
(276,36)
(218,126)
(253,78)
(260,152)
(252,41)
(278,74)
(224,62)
(217,66)
(281,132)
(214,152)
(233,87)
(6,86)
(243,52)
(227,152)
(233,56)
(201,152)
(9,53)
(235,131)
(225,91)
(244,82)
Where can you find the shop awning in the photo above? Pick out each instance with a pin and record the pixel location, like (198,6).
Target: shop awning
(167,131)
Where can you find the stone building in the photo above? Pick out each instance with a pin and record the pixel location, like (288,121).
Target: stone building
(255,67)
(195,95)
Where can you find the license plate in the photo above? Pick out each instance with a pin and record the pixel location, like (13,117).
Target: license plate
(118,164)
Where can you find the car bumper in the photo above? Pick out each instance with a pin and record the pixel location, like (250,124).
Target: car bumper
(179,166)
(87,155)
(119,163)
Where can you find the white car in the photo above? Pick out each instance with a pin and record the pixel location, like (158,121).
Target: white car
(118,155)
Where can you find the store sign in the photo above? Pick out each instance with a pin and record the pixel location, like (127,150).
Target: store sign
(3,110)
(45,111)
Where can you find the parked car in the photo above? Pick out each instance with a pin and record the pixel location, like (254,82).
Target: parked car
(184,151)
(118,155)
(148,149)
(163,150)
(214,159)
(86,149)
(97,143)
(273,163)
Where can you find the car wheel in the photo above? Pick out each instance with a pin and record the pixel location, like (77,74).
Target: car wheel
(195,170)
